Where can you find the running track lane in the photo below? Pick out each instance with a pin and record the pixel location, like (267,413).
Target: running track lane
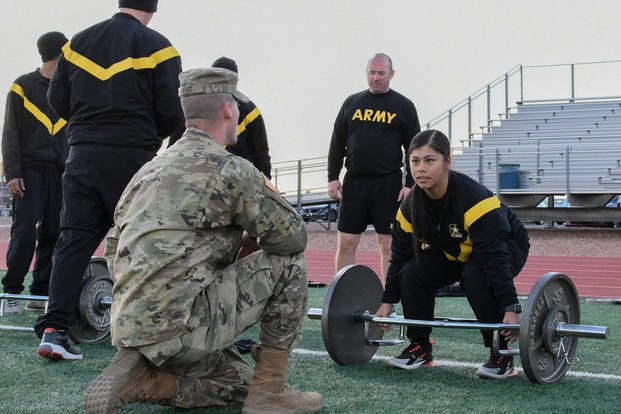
(593,276)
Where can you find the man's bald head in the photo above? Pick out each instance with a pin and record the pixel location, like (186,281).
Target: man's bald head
(379,73)
(380,56)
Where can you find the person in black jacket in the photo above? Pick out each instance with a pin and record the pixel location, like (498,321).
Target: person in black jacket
(371,132)
(251,135)
(116,83)
(34,148)
(452,229)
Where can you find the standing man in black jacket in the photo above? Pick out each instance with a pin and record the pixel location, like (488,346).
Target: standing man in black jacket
(372,131)
(251,136)
(34,148)
(116,83)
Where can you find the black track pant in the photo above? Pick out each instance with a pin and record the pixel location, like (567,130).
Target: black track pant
(39,205)
(94,179)
(434,270)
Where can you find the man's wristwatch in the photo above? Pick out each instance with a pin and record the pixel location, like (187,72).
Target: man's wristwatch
(516,307)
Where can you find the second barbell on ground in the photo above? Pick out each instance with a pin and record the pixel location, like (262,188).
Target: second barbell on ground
(93,311)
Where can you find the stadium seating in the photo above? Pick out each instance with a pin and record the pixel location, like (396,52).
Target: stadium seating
(549,148)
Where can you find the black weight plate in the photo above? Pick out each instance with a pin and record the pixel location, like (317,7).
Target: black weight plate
(553,298)
(93,320)
(354,288)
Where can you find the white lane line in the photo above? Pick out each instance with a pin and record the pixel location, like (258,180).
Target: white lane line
(15,328)
(441,362)
(459,364)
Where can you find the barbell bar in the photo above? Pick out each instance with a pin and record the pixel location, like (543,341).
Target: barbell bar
(548,331)
(561,329)
(93,311)
(15,296)
(104,301)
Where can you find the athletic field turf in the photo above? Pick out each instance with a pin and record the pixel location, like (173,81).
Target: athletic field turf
(30,384)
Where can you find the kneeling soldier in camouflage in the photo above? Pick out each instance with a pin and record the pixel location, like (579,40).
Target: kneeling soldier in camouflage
(179,297)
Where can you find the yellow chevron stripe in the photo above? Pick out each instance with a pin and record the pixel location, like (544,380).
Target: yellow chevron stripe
(32,108)
(473,214)
(103,74)
(58,125)
(480,209)
(465,250)
(405,225)
(254,114)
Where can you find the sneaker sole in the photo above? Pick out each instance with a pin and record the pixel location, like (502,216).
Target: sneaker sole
(101,396)
(488,375)
(54,352)
(429,364)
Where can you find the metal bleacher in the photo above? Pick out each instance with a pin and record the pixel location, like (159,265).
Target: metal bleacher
(543,144)
(569,148)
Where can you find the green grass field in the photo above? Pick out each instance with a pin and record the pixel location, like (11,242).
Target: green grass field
(30,384)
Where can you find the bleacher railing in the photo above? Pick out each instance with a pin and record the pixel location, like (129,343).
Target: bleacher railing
(553,169)
(298,178)
(565,82)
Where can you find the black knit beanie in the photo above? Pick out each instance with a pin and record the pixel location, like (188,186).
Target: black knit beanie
(49,45)
(225,63)
(144,5)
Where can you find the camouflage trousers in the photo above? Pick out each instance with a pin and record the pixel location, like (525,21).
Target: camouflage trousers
(266,288)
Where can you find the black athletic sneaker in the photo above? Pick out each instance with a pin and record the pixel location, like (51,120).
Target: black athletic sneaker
(55,346)
(414,356)
(498,367)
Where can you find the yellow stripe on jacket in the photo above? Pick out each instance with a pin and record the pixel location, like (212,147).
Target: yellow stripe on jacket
(472,215)
(254,114)
(37,113)
(101,73)
(405,225)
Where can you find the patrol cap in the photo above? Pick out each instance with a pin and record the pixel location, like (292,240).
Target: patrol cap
(209,80)
(144,5)
(50,44)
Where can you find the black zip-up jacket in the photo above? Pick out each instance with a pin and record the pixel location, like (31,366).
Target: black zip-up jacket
(117,83)
(33,134)
(369,132)
(469,219)
(252,138)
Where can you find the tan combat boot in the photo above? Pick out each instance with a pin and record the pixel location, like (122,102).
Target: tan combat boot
(128,379)
(270,394)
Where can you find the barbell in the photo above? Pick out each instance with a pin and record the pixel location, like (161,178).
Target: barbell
(548,331)
(93,311)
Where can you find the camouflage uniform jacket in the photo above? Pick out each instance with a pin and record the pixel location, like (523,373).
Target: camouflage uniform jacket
(179,220)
